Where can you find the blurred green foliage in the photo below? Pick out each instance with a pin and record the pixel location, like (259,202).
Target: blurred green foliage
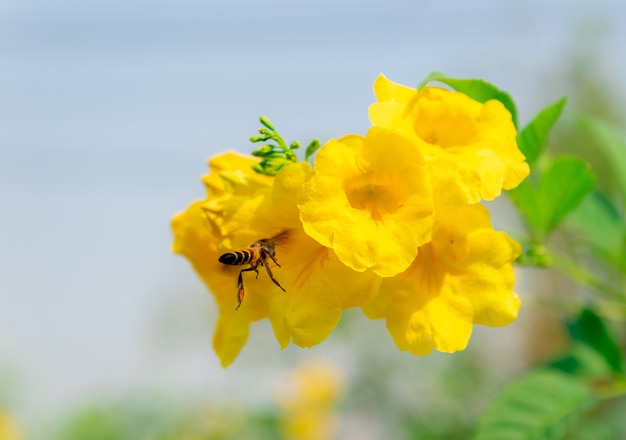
(157,418)
(579,229)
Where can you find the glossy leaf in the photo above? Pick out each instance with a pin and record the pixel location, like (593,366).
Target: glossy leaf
(432,76)
(525,198)
(602,228)
(583,360)
(590,329)
(602,426)
(545,404)
(613,143)
(562,187)
(533,138)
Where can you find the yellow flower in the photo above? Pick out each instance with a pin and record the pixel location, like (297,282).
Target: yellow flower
(310,271)
(308,396)
(8,428)
(470,148)
(463,277)
(235,195)
(370,201)
(242,207)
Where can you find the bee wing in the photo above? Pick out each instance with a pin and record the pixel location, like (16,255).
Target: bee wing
(282,238)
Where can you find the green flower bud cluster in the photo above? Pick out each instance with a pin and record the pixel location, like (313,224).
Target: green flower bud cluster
(274,151)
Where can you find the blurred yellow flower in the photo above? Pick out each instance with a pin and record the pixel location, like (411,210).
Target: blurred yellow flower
(470,148)
(8,428)
(242,207)
(370,201)
(463,277)
(308,395)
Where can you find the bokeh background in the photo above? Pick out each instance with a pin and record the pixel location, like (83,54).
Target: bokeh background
(108,112)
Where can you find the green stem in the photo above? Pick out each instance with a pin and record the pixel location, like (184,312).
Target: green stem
(280,141)
(583,276)
(573,305)
(613,390)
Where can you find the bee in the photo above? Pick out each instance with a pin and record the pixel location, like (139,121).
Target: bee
(256,255)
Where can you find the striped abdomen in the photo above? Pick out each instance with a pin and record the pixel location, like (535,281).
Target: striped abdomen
(246,256)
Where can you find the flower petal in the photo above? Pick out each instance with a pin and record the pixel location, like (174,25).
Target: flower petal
(422,322)
(490,277)
(471,147)
(370,201)
(231,334)
(464,276)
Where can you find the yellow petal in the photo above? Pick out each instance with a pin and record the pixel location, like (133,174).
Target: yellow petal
(471,147)
(464,276)
(322,205)
(387,90)
(286,189)
(230,160)
(315,297)
(231,334)
(422,322)
(490,277)
(228,221)
(311,320)
(309,272)
(370,201)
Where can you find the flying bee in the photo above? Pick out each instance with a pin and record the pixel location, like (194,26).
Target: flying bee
(256,255)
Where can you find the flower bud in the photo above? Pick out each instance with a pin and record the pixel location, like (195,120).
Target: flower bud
(266,122)
(263,150)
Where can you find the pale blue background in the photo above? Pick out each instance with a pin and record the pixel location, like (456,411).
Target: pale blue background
(108,111)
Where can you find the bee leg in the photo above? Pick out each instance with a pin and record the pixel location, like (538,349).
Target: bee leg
(241,291)
(269,272)
(273,259)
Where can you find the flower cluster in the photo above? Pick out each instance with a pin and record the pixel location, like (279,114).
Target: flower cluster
(388,221)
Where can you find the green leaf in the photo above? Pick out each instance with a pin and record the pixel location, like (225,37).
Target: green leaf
(602,426)
(533,138)
(482,91)
(590,329)
(613,143)
(546,404)
(583,360)
(432,76)
(525,198)
(561,189)
(601,227)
